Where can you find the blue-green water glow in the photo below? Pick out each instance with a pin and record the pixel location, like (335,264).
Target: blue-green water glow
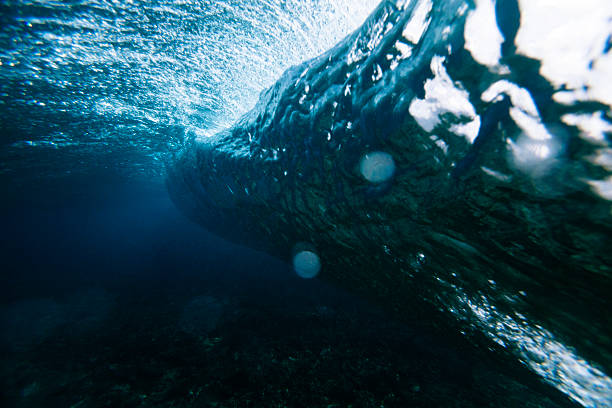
(461,148)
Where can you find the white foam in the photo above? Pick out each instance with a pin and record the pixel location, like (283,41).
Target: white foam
(592,126)
(418,23)
(443,96)
(482,37)
(567,36)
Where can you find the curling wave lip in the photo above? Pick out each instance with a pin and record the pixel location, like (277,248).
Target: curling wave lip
(485,223)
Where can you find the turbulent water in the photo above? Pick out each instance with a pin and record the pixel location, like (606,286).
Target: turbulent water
(157,70)
(444,155)
(450,159)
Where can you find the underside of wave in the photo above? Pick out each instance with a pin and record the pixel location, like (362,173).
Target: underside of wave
(431,162)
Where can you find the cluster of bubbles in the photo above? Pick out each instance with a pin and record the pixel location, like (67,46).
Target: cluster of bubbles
(137,78)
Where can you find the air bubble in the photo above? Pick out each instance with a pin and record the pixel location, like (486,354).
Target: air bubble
(377,167)
(418,260)
(306,264)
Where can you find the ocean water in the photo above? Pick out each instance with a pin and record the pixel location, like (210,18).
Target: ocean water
(317,203)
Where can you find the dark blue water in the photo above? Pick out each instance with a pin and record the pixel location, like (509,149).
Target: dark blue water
(444,172)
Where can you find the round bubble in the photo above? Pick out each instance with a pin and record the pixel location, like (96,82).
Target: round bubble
(534,156)
(377,167)
(306,264)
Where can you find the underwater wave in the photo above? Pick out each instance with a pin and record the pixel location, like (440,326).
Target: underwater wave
(90,85)
(450,159)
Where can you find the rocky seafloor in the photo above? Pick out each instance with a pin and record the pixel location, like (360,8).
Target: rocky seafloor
(241,342)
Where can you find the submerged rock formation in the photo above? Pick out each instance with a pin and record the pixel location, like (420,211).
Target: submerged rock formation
(437,172)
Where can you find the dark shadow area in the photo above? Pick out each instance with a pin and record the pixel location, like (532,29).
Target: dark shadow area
(110,297)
